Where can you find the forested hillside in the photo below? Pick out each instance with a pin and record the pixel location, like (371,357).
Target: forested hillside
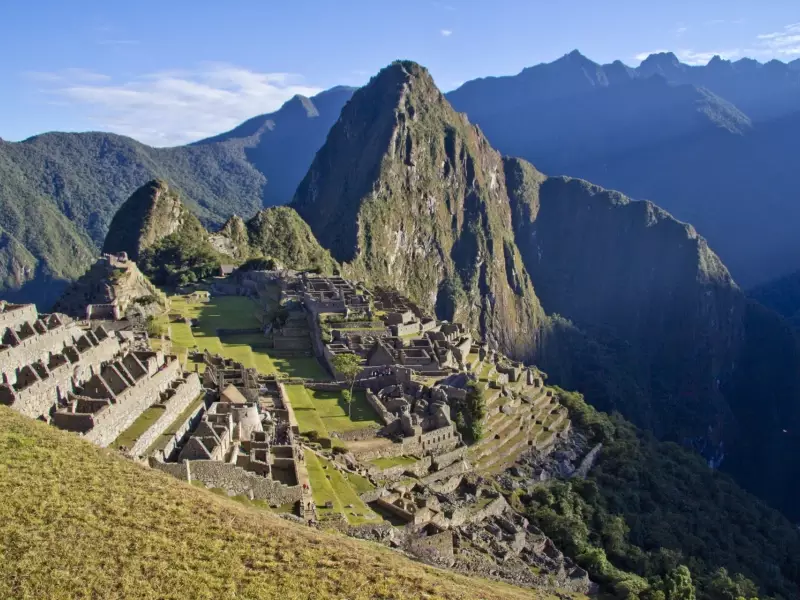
(73,183)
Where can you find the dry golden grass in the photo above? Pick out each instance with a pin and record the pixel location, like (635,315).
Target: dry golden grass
(80,522)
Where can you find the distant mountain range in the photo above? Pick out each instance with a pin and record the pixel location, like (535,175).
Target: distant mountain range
(714,145)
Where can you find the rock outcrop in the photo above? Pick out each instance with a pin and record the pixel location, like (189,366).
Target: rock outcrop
(152,213)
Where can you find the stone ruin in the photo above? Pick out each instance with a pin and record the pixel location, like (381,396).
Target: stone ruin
(244,441)
(441,350)
(109,290)
(322,294)
(81,380)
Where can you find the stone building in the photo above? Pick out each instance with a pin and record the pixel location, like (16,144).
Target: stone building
(244,443)
(81,380)
(322,294)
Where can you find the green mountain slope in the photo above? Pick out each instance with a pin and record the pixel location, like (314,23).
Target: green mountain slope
(115,529)
(87,176)
(649,509)
(278,232)
(170,245)
(40,249)
(409,194)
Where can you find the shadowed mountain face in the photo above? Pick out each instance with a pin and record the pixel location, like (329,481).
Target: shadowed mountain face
(74,182)
(702,142)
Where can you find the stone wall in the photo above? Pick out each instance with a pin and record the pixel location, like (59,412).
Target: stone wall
(357,435)
(457,468)
(39,398)
(434,548)
(448,458)
(182,432)
(185,394)
(494,509)
(326,386)
(14,315)
(405,329)
(384,415)
(418,469)
(177,470)
(37,347)
(116,418)
(236,481)
(588,461)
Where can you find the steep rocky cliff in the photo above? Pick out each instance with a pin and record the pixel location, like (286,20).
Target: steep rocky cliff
(628,273)
(152,213)
(407,193)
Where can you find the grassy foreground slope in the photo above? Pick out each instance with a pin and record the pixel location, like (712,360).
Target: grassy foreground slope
(79,522)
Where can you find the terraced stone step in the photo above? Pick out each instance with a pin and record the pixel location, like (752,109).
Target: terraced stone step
(513,427)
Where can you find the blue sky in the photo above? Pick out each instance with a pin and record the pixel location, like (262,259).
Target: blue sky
(172,71)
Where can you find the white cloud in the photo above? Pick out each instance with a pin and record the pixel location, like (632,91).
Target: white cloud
(446,32)
(174,107)
(642,55)
(692,57)
(67,75)
(783,43)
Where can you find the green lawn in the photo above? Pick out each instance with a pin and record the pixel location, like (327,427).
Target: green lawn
(308,418)
(332,410)
(347,496)
(234,312)
(128,437)
(321,487)
(359,483)
(337,490)
(307,367)
(393,461)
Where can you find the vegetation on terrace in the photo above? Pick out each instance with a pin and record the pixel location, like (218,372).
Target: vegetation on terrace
(78,522)
(128,437)
(330,485)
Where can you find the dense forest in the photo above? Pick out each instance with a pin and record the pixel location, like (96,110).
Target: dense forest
(652,521)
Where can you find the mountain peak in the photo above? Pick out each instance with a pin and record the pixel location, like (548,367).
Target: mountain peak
(300,106)
(153,212)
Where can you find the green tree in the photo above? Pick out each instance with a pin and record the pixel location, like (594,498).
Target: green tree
(678,584)
(348,366)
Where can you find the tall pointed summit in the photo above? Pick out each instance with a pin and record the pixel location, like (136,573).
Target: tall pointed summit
(409,194)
